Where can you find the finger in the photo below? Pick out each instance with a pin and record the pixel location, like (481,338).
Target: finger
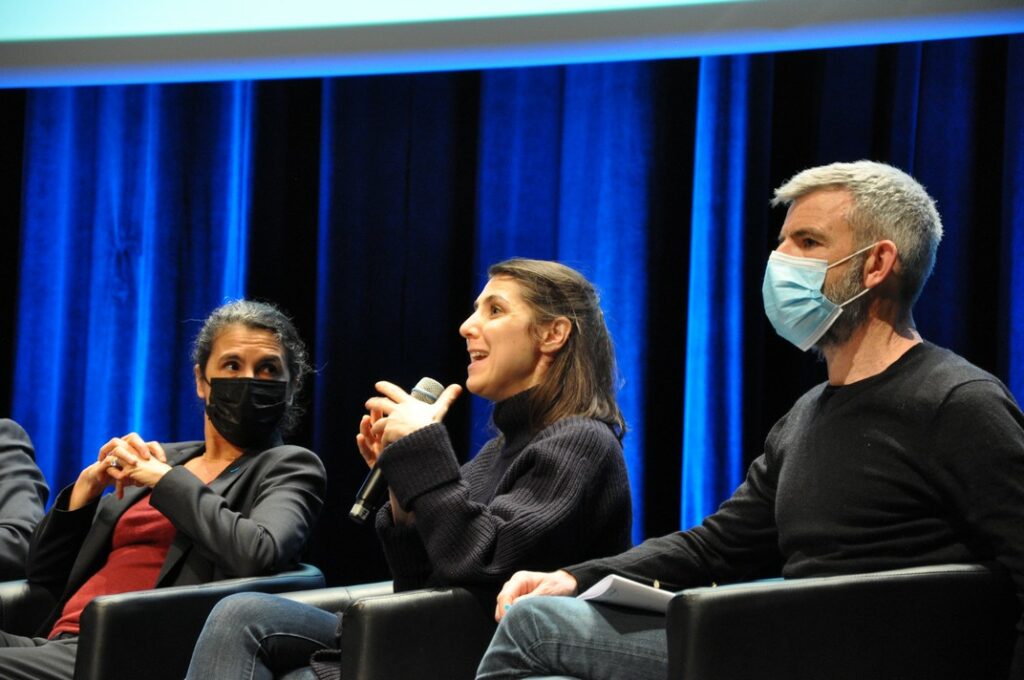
(367,452)
(508,592)
(365,425)
(377,431)
(157,451)
(107,448)
(119,489)
(136,445)
(381,406)
(392,391)
(125,455)
(444,402)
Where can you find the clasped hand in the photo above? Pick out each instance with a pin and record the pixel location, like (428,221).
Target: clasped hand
(122,461)
(396,414)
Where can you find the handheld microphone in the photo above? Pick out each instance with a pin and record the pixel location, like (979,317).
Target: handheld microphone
(371,493)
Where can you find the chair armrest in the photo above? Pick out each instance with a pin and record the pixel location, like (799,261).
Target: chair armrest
(339,598)
(150,633)
(927,623)
(24,606)
(435,633)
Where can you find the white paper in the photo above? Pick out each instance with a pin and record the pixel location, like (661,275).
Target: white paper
(621,591)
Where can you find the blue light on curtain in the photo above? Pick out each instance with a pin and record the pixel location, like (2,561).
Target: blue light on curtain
(603,219)
(127,232)
(565,158)
(518,180)
(713,407)
(1013,219)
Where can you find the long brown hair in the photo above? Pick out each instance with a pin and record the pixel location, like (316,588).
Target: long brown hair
(581,379)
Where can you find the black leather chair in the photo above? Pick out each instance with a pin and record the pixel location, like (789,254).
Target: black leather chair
(23,607)
(949,622)
(431,633)
(144,634)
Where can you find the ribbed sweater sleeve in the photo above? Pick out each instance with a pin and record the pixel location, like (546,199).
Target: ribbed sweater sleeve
(563,497)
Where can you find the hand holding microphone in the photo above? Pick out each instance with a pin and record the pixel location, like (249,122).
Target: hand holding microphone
(393,416)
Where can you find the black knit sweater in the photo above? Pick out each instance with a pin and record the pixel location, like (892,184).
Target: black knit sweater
(526,501)
(921,464)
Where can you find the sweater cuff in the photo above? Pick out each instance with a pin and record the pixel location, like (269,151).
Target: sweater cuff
(587,574)
(404,550)
(419,462)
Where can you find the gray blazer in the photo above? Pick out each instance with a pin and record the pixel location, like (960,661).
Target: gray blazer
(254,518)
(23,494)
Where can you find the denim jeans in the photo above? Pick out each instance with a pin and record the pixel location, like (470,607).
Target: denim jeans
(562,637)
(257,636)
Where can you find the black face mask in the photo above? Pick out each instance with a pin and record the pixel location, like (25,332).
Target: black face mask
(247,411)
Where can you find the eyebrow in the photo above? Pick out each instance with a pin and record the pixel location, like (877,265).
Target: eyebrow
(273,356)
(490,298)
(813,232)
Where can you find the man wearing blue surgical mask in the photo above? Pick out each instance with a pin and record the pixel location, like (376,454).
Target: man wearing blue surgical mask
(907,456)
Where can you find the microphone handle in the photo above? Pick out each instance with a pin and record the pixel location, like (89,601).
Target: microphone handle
(370,496)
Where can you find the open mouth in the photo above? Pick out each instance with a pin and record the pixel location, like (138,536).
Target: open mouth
(477,355)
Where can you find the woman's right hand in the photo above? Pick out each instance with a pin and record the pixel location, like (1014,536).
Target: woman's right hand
(105,471)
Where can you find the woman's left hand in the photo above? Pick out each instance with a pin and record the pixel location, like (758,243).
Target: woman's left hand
(140,464)
(404,413)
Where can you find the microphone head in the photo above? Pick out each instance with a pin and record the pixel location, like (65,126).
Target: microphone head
(427,390)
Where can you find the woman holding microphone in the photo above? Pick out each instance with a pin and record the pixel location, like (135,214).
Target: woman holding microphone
(550,486)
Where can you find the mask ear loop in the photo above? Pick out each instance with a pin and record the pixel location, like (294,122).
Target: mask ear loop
(842,260)
(851,255)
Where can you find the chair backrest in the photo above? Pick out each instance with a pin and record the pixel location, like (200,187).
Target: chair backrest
(150,633)
(930,623)
(24,607)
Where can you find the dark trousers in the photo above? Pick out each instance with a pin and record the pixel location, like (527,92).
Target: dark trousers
(26,658)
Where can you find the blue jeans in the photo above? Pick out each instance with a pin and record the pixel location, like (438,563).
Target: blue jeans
(257,636)
(562,637)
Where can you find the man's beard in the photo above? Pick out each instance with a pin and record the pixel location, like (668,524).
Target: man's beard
(854,314)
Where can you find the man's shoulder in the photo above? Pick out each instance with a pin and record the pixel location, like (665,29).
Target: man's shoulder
(941,369)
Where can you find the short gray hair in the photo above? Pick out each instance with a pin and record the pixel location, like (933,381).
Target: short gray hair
(261,316)
(887,204)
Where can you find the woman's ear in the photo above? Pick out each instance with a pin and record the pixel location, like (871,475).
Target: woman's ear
(555,335)
(200,382)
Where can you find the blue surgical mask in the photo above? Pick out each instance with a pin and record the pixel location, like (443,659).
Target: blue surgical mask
(794,301)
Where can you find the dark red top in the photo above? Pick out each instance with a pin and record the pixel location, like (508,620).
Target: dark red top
(139,547)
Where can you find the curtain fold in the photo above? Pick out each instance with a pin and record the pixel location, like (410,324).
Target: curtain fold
(713,380)
(125,239)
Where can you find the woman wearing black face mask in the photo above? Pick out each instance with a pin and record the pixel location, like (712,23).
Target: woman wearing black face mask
(239,503)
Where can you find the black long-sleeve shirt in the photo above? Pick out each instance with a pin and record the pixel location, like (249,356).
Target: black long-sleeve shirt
(920,464)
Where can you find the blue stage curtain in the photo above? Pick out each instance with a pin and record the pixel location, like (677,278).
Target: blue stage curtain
(564,174)
(369,208)
(731,100)
(134,226)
